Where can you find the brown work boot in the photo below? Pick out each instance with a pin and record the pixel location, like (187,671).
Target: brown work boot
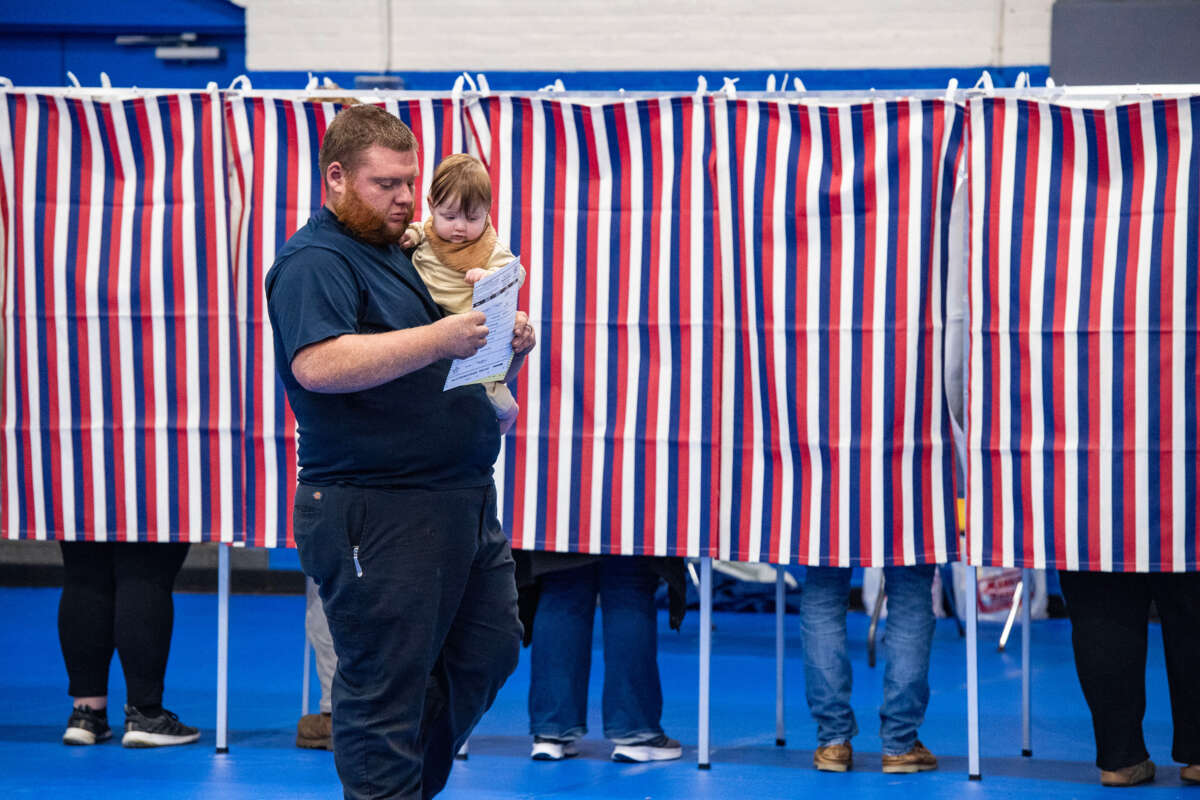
(917,759)
(834,757)
(315,732)
(1128,776)
(1190,773)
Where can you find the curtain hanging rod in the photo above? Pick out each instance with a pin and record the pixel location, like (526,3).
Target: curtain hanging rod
(1078,93)
(857,95)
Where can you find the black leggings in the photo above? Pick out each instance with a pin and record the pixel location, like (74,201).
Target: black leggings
(1109,632)
(118,595)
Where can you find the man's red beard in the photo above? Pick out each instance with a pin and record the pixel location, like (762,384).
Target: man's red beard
(365,222)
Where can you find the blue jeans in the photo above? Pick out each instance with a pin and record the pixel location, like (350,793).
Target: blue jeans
(562,651)
(906,645)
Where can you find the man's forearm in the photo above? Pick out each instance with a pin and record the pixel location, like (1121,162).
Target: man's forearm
(354,362)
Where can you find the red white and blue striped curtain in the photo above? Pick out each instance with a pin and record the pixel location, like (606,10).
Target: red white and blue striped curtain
(276,187)
(120,363)
(611,208)
(1084,390)
(679,251)
(837,443)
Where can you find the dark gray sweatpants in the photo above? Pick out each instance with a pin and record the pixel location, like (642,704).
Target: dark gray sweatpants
(425,626)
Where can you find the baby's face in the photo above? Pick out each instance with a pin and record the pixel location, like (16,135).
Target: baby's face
(454,224)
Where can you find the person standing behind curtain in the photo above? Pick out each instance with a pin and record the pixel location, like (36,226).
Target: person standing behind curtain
(907,642)
(117,596)
(559,593)
(1109,614)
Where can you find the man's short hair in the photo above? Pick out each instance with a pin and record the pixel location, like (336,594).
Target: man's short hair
(358,128)
(463,178)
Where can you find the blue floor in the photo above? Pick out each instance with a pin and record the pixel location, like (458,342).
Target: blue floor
(265,680)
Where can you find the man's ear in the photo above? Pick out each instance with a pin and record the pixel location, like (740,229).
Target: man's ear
(335,178)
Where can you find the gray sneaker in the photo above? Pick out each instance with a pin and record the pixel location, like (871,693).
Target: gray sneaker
(660,748)
(160,731)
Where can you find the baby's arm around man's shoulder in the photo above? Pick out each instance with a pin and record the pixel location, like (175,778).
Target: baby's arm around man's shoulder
(413,236)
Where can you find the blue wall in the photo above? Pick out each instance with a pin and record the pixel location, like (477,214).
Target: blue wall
(40,42)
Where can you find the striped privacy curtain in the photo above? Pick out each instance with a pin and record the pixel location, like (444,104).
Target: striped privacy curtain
(1084,380)
(120,366)
(611,208)
(837,446)
(740,304)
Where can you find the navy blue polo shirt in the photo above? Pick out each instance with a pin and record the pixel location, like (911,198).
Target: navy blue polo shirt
(405,434)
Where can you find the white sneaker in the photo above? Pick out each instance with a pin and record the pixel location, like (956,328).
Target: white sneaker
(660,748)
(547,749)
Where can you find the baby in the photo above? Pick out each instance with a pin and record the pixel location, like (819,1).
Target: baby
(457,246)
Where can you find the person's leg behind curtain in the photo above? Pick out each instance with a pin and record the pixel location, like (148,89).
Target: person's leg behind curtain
(632,696)
(561,653)
(1177,596)
(907,641)
(1108,613)
(85,616)
(145,615)
(827,675)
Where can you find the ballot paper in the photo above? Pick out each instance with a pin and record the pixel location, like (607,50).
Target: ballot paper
(496,296)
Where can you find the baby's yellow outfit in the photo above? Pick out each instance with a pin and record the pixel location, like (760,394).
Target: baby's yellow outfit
(442,265)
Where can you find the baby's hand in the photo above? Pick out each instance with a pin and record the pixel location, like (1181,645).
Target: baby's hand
(409,240)
(474,276)
(524,337)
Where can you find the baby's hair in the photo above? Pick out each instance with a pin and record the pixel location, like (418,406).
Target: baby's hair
(463,178)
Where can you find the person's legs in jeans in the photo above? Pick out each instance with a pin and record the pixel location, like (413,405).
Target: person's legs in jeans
(1108,614)
(907,640)
(632,697)
(827,678)
(144,616)
(478,654)
(561,658)
(1177,596)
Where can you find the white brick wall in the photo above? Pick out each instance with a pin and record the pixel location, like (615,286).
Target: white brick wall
(316,34)
(635,35)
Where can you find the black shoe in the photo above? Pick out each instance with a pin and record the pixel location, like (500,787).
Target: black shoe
(164,729)
(87,726)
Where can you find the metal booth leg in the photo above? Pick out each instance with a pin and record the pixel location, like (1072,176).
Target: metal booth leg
(223,648)
(1026,676)
(702,754)
(780,612)
(972,675)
